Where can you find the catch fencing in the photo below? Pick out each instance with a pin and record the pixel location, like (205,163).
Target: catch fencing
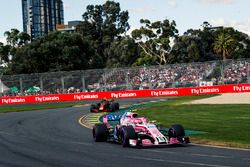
(123,79)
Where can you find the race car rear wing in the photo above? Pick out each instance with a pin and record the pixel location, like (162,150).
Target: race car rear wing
(111,120)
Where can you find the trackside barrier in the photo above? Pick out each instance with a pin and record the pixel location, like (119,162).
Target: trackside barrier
(234,88)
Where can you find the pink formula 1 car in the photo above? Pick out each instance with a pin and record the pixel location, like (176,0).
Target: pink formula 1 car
(138,131)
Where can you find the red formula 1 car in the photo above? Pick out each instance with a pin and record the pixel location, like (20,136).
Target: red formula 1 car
(105,106)
(138,131)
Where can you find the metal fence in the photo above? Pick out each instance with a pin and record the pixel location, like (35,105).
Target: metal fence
(133,78)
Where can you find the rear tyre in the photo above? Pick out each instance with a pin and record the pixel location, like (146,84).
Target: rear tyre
(100,132)
(92,108)
(127,133)
(176,131)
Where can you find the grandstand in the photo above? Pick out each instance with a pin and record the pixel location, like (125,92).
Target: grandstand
(134,78)
(236,72)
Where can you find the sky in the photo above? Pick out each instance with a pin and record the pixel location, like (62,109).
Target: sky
(186,13)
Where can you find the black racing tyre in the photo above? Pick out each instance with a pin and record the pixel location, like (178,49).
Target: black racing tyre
(98,105)
(127,133)
(100,132)
(112,107)
(92,107)
(117,106)
(176,131)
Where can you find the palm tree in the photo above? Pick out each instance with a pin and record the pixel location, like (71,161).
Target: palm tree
(223,45)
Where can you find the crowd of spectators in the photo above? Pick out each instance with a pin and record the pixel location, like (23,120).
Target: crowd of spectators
(152,77)
(236,72)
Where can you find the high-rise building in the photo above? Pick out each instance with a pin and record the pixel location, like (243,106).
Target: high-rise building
(41,16)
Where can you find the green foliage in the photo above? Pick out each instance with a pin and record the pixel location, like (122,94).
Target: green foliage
(4,53)
(14,39)
(154,41)
(145,60)
(55,52)
(123,52)
(102,26)
(223,45)
(211,43)
(187,49)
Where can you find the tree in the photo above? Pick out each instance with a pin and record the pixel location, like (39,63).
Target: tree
(12,37)
(186,48)
(4,53)
(196,44)
(15,38)
(223,45)
(240,46)
(154,40)
(24,38)
(123,52)
(54,52)
(101,25)
(206,25)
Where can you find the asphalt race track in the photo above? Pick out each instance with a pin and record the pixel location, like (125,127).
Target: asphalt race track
(54,138)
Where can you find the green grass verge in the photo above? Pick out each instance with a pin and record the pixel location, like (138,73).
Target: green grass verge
(226,125)
(6,109)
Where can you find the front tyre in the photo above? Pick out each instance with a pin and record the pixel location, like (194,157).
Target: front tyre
(127,133)
(100,132)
